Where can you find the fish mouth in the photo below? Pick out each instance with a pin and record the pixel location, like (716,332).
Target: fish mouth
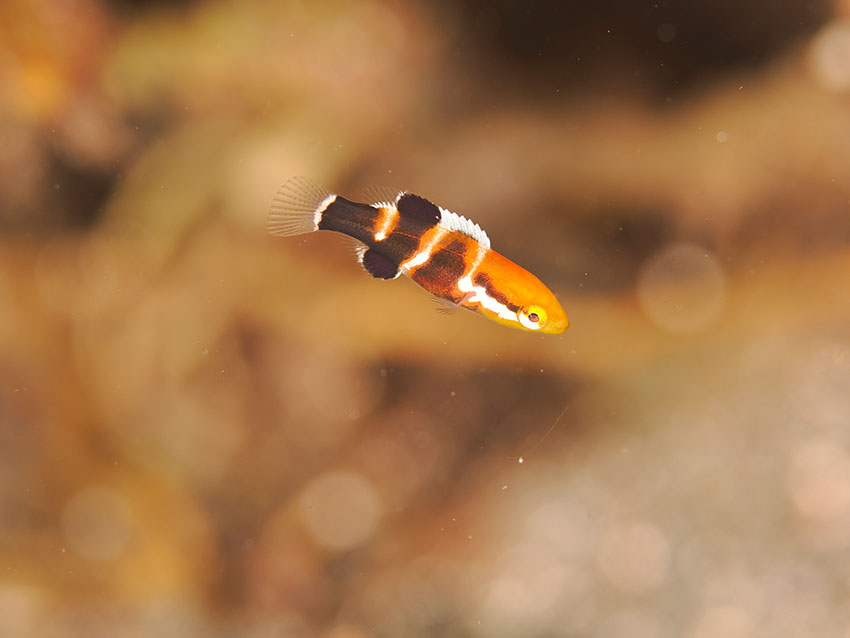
(557,326)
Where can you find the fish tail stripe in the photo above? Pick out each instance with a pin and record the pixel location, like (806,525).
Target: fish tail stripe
(350,218)
(387,220)
(297,207)
(409,233)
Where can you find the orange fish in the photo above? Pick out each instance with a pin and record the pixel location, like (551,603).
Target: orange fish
(445,253)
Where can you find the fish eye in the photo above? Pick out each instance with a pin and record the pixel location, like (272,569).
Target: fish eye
(533,317)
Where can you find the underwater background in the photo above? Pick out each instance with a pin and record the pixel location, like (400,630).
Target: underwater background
(208,431)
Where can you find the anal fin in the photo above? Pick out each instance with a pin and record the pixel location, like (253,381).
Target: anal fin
(379,266)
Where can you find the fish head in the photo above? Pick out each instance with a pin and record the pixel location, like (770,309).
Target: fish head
(542,313)
(512,296)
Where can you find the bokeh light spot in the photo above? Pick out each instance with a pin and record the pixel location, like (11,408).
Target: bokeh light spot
(634,557)
(527,590)
(666,32)
(729,621)
(829,56)
(819,487)
(97,523)
(340,510)
(21,606)
(682,289)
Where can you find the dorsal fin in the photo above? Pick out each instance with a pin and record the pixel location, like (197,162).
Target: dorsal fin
(380,194)
(459,223)
(417,208)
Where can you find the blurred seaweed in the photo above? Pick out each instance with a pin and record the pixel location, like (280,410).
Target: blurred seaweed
(206,431)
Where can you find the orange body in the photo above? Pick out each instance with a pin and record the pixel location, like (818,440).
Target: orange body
(445,253)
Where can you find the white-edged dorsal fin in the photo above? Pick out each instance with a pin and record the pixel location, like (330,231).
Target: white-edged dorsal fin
(461,224)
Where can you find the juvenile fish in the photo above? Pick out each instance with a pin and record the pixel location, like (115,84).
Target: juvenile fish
(445,253)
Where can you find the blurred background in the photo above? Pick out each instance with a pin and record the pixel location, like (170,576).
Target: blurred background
(207,431)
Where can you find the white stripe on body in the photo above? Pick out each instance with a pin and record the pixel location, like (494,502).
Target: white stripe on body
(478,294)
(424,255)
(389,214)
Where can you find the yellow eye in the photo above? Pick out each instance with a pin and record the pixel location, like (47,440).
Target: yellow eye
(533,317)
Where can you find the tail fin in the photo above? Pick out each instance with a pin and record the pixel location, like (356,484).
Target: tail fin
(297,207)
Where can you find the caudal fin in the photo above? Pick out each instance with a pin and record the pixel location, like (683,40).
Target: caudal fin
(297,207)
